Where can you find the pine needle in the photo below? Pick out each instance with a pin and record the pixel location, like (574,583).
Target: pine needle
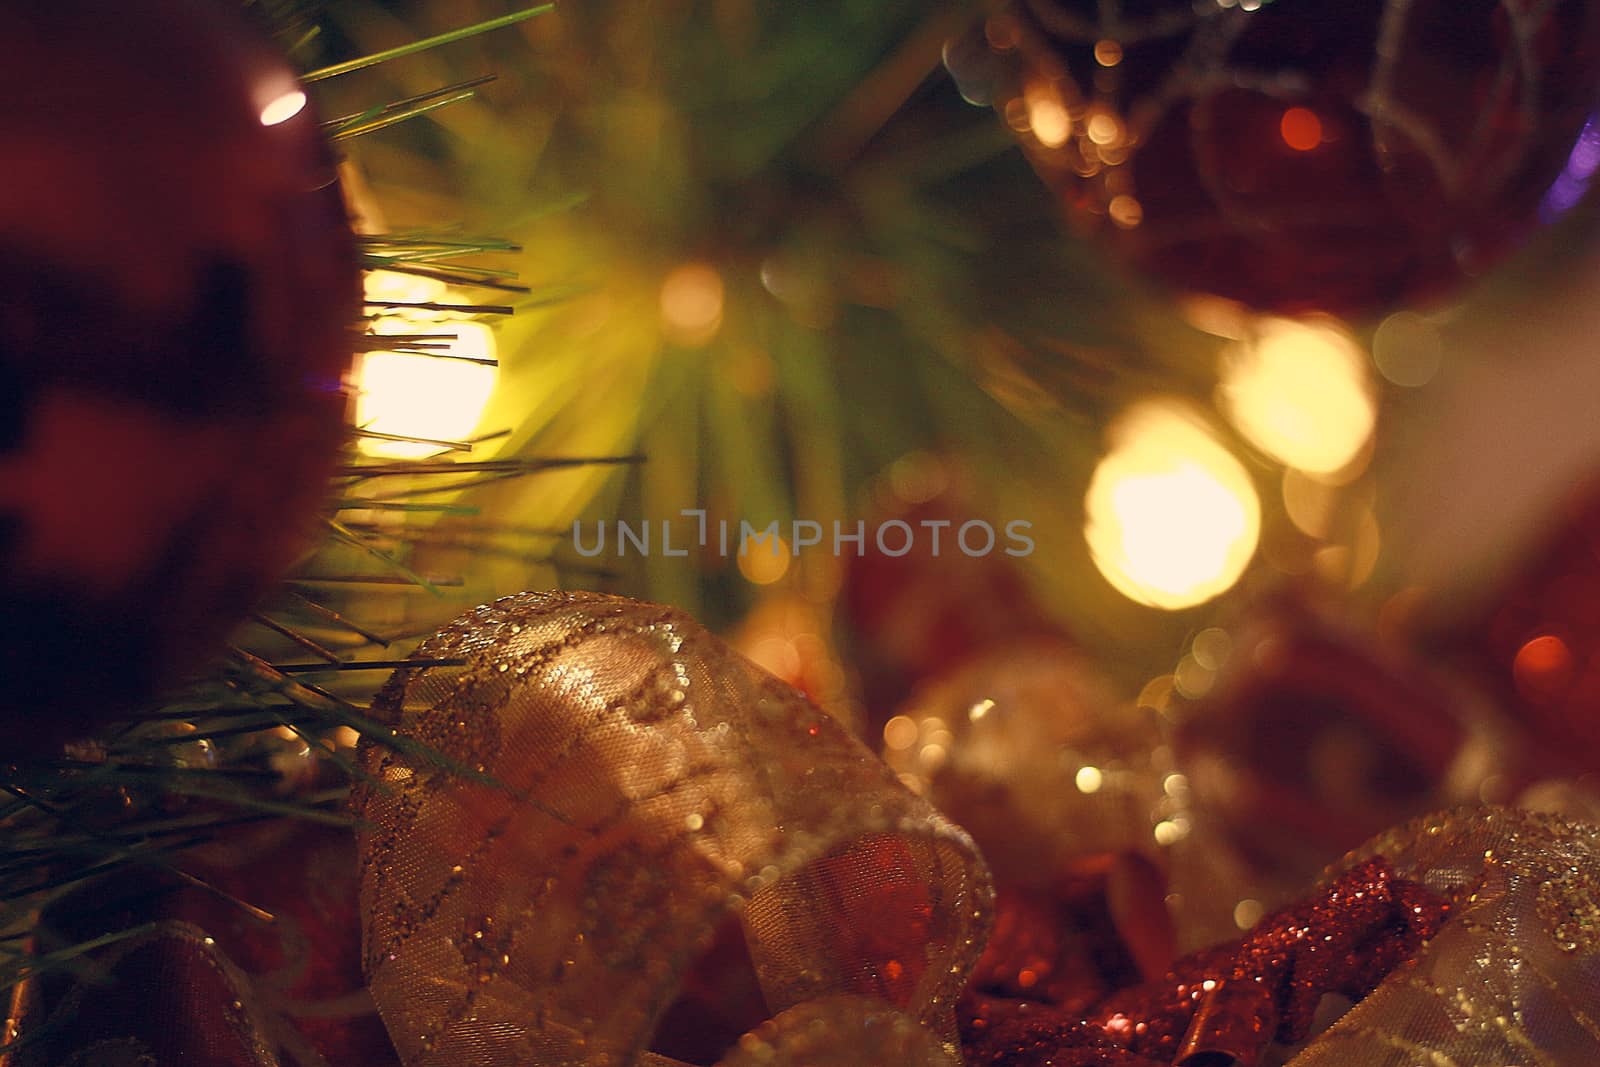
(359,504)
(442,581)
(366,665)
(407,439)
(412,48)
(329,615)
(460,309)
(296,636)
(394,118)
(507,466)
(355,540)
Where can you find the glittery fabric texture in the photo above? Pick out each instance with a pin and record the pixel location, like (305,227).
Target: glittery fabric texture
(1227,1004)
(1468,939)
(610,783)
(1514,976)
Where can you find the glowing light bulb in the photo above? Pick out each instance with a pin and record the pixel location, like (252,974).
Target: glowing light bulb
(380,287)
(1172,519)
(1300,391)
(282,108)
(410,394)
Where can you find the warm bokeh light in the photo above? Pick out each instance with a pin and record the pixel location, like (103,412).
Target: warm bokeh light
(1301,129)
(691,304)
(384,286)
(764,560)
(1408,349)
(1107,53)
(777,655)
(1211,648)
(1310,503)
(1193,679)
(1216,315)
(1104,129)
(1125,211)
(410,394)
(1047,115)
(917,477)
(1157,694)
(1172,518)
(1300,391)
(1543,669)
(282,108)
(900,732)
(1351,561)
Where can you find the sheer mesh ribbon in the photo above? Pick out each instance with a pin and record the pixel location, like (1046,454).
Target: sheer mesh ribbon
(1514,976)
(622,782)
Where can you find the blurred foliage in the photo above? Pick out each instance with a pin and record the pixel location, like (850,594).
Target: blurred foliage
(894,277)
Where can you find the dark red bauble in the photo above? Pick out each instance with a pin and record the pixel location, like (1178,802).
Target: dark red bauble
(1314,737)
(256,945)
(1304,154)
(177,276)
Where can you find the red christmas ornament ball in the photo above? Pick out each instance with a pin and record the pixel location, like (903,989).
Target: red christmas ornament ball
(177,276)
(1314,737)
(260,926)
(1300,154)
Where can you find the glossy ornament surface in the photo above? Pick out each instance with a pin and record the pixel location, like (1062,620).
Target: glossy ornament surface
(1028,750)
(177,278)
(1315,736)
(1298,154)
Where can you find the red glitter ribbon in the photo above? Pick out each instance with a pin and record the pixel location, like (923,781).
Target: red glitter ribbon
(1224,1006)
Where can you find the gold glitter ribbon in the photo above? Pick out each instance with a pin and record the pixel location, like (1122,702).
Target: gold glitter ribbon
(1513,977)
(621,783)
